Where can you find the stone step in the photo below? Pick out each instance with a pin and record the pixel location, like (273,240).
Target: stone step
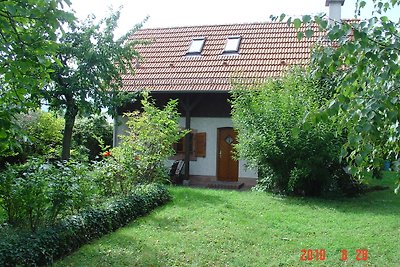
(225,185)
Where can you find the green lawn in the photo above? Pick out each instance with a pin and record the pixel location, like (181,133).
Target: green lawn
(227,228)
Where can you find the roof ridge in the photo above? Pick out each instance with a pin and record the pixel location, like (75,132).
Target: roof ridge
(214,25)
(230,24)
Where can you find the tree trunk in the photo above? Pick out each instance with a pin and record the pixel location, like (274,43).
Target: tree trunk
(70,115)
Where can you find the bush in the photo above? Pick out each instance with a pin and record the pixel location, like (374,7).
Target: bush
(37,192)
(147,144)
(51,243)
(265,182)
(42,136)
(149,141)
(91,135)
(112,177)
(292,157)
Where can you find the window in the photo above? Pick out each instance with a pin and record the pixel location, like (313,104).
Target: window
(196,46)
(232,44)
(197,146)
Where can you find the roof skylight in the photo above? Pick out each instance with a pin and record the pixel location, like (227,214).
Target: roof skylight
(232,44)
(196,46)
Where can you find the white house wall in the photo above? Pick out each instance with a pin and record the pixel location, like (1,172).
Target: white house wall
(119,129)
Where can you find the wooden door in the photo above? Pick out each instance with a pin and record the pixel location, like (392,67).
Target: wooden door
(227,167)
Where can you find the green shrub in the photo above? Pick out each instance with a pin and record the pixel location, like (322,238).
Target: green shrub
(112,177)
(44,132)
(266,179)
(272,135)
(90,135)
(147,144)
(51,243)
(42,137)
(37,192)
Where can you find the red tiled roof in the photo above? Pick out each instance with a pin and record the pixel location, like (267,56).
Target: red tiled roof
(266,50)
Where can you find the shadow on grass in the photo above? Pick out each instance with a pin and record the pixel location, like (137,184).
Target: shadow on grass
(383,202)
(191,198)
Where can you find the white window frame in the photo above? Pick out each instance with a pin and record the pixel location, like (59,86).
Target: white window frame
(232,44)
(196,47)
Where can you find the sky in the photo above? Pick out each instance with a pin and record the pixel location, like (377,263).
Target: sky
(175,13)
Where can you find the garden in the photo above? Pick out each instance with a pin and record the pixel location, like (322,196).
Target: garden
(324,139)
(49,207)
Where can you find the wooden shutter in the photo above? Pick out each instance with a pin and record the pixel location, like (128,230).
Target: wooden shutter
(200,149)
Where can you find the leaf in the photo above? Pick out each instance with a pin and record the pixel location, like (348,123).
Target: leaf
(297,23)
(282,17)
(300,35)
(324,24)
(3,134)
(289,22)
(295,132)
(384,19)
(309,33)
(306,18)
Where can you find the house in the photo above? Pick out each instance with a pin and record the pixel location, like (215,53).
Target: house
(197,66)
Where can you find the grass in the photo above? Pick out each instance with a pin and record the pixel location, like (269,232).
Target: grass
(227,228)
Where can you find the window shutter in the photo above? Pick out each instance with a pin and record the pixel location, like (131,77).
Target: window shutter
(200,145)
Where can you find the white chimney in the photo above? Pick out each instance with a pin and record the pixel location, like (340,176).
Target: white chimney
(335,10)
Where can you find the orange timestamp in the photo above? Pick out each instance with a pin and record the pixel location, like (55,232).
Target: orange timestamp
(320,255)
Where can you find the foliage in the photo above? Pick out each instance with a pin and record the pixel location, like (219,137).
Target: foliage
(148,141)
(265,181)
(362,59)
(113,178)
(94,133)
(27,48)
(51,243)
(273,139)
(37,192)
(43,134)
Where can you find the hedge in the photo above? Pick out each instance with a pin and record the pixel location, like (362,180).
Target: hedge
(51,243)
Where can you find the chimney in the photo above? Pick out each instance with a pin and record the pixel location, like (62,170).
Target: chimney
(335,10)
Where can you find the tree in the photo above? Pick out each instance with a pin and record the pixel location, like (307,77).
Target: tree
(88,77)
(361,61)
(27,48)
